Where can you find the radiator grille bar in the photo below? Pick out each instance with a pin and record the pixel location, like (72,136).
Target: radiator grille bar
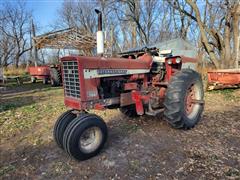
(71,79)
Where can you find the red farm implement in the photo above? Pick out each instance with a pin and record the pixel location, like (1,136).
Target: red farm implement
(46,73)
(39,72)
(223,78)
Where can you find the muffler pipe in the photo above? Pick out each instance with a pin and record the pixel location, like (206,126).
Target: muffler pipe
(100,37)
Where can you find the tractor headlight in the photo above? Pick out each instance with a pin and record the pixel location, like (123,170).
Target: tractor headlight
(169,61)
(178,60)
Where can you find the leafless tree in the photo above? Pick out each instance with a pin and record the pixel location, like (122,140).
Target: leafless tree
(78,14)
(141,16)
(218,26)
(15,27)
(6,50)
(213,25)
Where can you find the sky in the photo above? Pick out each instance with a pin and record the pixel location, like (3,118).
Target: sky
(44,12)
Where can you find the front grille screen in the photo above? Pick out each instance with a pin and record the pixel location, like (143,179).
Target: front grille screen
(71,79)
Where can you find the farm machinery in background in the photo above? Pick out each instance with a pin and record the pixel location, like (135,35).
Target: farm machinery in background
(223,78)
(146,82)
(51,73)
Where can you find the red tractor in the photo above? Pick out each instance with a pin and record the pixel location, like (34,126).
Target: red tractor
(146,85)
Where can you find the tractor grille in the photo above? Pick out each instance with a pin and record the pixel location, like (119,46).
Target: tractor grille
(71,79)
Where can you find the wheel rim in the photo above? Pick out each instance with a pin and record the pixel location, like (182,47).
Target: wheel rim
(193,101)
(90,139)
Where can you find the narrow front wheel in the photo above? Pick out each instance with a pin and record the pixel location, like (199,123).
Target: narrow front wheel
(61,125)
(85,136)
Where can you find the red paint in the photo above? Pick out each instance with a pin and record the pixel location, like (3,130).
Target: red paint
(111,63)
(99,106)
(71,102)
(88,87)
(224,76)
(136,97)
(39,72)
(189,104)
(130,86)
(135,77)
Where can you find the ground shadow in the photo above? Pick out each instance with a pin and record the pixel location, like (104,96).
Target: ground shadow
(16,102)
(26,88)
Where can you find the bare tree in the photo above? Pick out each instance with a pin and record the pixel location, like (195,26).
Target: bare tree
(6,50)
(211,24)
(16,27)
(138,20)
(181,22)
(219,28)
(79,14)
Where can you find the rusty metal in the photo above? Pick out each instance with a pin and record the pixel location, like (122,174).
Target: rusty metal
(223,78)
(39,72)
(188,100)
(99,19)
(126,99)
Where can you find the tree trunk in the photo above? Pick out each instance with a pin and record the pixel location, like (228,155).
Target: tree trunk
(17,58)
(205,42)
(227,57)
(134,35)
(236,35)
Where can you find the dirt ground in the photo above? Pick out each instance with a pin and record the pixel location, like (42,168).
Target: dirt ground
(143,148)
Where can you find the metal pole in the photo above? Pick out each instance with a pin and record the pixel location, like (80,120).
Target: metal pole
(112,40)
(100,36)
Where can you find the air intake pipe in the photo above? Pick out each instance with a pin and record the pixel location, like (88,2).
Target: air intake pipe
(100,37)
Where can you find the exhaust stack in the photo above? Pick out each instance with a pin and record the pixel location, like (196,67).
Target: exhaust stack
(100,37)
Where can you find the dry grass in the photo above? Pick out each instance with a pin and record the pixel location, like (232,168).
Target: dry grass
(13,71)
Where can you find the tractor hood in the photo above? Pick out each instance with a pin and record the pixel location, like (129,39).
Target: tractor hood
(85,62)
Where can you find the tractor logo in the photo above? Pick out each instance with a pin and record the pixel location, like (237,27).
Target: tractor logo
(111,71)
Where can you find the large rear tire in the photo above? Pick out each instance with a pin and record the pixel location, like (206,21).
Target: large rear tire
(55,77)
(85,136)
(129,111)
(60,126)
(184,99)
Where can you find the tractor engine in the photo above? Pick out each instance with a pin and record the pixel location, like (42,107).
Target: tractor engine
(110,88)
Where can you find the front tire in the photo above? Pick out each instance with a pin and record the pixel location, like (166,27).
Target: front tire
(184,99)
(85,136)
(60,126)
